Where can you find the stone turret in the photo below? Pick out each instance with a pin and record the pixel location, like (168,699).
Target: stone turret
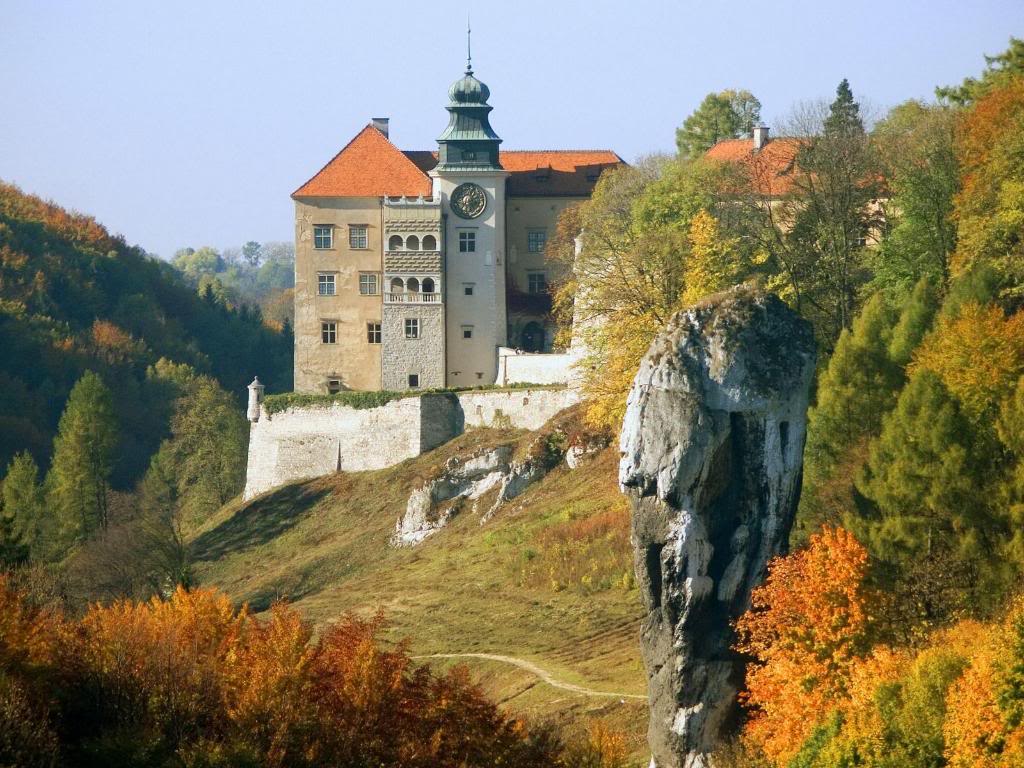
(712,450)
(255,400)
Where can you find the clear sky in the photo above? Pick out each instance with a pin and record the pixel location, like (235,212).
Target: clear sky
(190,122)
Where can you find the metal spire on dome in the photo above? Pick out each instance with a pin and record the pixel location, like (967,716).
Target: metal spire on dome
(469,50)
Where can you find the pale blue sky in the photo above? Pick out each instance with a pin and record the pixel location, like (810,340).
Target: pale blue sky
(190,123)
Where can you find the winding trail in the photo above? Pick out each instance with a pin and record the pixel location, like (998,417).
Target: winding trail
(533,669)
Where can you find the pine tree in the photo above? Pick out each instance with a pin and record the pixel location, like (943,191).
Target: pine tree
(915,320)
(844,113)
(923,473)
(22,505)
(83,458)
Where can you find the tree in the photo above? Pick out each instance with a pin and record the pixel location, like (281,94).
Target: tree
(194,264)
(726,115)
(915,142)
(83,458)
(807,628)
(915,321)
(252,253)
(21,520)
(999,70)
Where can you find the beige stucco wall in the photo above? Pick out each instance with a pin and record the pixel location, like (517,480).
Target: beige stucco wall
(352,359)
(526,214)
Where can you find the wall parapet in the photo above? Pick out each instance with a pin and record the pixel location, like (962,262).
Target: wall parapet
(311,438)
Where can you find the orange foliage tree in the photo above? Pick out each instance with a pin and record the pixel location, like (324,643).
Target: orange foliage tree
(806,630)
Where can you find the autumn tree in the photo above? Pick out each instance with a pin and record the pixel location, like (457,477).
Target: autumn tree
(83,459)
(807,628)
(725,115)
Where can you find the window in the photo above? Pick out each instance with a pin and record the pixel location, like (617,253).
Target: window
(357,236)
(373,333)
(323,236)
(328,332)
(412,243)
(467,331)
(412,328)
(467,242)
(429,243)
(428,285)
(334,386)
(414,380)
(467,289)
(325,284)
(537,282)
(368,284)
(535,241)
(395,243)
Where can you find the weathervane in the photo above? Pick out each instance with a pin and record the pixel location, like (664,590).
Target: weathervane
(469,50)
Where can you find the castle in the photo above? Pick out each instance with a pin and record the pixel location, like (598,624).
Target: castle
(420,269)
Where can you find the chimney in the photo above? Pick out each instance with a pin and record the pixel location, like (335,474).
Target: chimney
(381,124)
(760,136)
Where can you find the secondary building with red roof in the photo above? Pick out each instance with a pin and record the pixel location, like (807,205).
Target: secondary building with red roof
(414,267)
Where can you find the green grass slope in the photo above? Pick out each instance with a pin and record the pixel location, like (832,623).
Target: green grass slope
(547,580)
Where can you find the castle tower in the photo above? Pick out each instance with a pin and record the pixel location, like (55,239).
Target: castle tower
(469,182)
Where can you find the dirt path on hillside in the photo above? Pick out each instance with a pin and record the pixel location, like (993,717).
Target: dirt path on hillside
(533,669)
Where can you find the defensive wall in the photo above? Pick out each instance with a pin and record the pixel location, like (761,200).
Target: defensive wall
(515,367)
(308,441)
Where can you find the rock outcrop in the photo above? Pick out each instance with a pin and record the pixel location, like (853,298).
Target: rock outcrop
(712,450)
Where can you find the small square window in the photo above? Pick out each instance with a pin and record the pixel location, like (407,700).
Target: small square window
(323,236)
(334,386)
(412,328)
(535,241)
(467,289)
(467,331)
(414,380)
(328,332)
(325,284)
(373,333)
(368,284)
(537,282)
(357,237)
(467,242)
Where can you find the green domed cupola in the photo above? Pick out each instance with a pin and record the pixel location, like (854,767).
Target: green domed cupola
(468,143)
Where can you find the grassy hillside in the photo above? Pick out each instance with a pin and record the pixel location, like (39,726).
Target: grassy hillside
(548,580)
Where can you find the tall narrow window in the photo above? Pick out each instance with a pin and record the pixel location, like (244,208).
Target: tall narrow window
(328,332)
(536,240)
(373,333)
(537,282)
(467,242)
(368,284)
(323,236)
(412,328)
(357,237)
(325,284)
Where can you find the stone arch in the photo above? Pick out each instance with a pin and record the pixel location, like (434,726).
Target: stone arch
(412,243)
(395,243)
(397,286)
(429,243)
(412,285)
(428,283)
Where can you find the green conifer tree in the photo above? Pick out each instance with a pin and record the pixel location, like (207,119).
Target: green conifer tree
(23,507)
(83,458)
(923,473)
(916,318)
(844,113)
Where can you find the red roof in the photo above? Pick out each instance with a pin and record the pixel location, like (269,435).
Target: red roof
(543,172)
(368,166)
(371,166)
(771,166)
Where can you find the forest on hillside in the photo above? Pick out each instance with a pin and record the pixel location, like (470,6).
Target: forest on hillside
(894,633)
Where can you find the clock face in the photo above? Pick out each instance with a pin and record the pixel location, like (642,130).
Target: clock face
(468,200)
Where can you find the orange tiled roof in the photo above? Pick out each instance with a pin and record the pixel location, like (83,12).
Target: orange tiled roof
(771,166)
(368,166)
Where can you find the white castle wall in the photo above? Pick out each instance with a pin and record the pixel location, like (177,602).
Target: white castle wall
(313,441)
(533,368)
